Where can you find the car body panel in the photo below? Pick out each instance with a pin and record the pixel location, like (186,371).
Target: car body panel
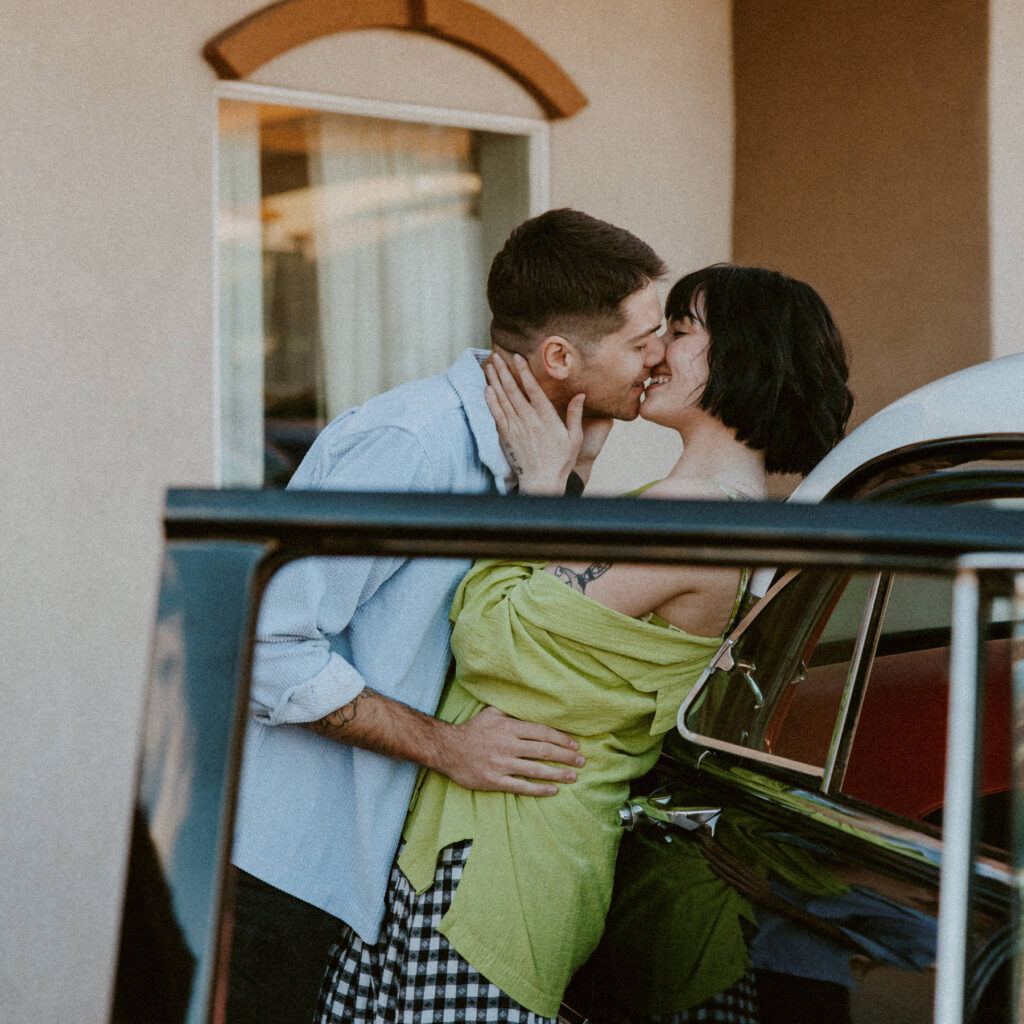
(981,400)
(223,546)
(815,800)
(867,732)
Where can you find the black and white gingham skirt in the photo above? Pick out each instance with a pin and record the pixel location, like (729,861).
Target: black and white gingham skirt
(412,975)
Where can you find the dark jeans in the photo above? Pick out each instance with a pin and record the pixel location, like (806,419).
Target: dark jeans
(278,955)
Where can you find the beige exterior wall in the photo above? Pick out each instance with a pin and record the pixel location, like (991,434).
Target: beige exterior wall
(873,158)
(652,150)
(107,296)
(862,167)
(1006,174)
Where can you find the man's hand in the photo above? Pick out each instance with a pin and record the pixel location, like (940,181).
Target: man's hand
(493,751)
(595,433)
(541,449)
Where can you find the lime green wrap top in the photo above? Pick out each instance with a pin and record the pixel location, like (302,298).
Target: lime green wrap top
(531,905)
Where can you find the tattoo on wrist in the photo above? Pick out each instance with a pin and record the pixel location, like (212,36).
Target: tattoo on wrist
(579,580)
(340,717)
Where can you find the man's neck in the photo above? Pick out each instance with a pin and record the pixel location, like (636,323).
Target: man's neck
(552,388)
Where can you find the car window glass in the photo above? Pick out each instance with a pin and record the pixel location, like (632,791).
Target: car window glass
(781,693)
(802,724)
(897,756)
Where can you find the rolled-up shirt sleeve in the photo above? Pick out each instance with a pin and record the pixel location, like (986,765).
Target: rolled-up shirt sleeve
(301,664)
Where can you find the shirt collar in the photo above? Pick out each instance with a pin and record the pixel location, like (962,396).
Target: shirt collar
(466,376)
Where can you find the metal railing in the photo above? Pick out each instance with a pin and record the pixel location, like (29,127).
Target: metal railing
(222,546)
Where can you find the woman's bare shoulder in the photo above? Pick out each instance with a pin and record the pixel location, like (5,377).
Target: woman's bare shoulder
(686,488)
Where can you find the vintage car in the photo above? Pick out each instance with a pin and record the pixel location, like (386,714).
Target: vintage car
(959,440)
(804,789)
(821,725)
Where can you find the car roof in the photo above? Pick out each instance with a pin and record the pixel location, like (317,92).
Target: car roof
(987,398)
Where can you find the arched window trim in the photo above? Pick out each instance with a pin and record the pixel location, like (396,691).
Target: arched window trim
(247,45)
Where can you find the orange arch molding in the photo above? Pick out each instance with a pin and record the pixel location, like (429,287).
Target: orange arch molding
(250,43)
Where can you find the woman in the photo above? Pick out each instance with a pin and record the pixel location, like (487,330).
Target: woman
(496,899)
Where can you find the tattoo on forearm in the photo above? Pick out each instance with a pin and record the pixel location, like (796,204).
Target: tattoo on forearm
(579,580)
(339,718)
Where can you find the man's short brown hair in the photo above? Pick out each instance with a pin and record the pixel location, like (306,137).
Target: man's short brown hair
(567,273)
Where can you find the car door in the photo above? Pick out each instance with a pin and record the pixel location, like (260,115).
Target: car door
(222,547)
(819,736)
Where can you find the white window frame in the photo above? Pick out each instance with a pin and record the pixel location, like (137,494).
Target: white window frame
(536,131)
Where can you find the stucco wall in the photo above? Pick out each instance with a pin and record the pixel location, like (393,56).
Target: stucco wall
(862,167)
(652,150)
(1006,174)
(107,297)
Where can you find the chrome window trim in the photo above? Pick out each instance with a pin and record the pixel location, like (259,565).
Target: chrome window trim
(853,689)
(760,756)
(970,603)
(953,940)
(856,681)
(1017,741)
(725,652)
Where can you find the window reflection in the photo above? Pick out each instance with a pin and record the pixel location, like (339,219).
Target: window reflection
(353,257)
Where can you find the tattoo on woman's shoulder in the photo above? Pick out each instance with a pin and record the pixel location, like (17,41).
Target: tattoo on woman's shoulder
(579,580)
(334,721)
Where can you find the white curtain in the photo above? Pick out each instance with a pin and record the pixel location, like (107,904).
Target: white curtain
(240,314)
(398,246)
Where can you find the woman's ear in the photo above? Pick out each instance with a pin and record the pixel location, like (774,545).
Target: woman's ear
(557,356)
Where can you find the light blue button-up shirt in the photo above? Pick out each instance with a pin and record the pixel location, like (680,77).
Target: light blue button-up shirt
(316,818)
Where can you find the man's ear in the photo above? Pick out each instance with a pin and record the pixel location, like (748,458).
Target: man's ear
(557,356)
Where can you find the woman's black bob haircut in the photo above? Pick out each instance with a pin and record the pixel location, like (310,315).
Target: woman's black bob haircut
(777,363)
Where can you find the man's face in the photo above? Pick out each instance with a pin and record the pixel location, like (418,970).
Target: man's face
(612,372)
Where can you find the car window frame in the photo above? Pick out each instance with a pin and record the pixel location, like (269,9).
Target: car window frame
(861,658)
(885,480)
(233,541)
(920,467)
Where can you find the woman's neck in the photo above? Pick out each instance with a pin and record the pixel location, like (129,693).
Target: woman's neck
(711,453)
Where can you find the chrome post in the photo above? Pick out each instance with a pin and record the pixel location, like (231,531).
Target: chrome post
(856,684)
(958,816)
(1017,805)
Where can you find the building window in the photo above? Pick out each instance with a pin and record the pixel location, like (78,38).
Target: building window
(353,247)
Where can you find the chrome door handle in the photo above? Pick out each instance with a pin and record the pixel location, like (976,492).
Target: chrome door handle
(746,667)
(657,808)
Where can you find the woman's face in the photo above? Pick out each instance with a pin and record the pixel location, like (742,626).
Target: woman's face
(677,382)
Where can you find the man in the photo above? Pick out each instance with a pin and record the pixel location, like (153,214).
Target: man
(352,653)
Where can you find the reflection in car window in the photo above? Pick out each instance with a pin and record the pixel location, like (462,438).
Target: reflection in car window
(802,640)
(803,724)
(897,757)
(800,650)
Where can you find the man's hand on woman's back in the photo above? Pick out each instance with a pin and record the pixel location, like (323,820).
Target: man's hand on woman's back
(491,751)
